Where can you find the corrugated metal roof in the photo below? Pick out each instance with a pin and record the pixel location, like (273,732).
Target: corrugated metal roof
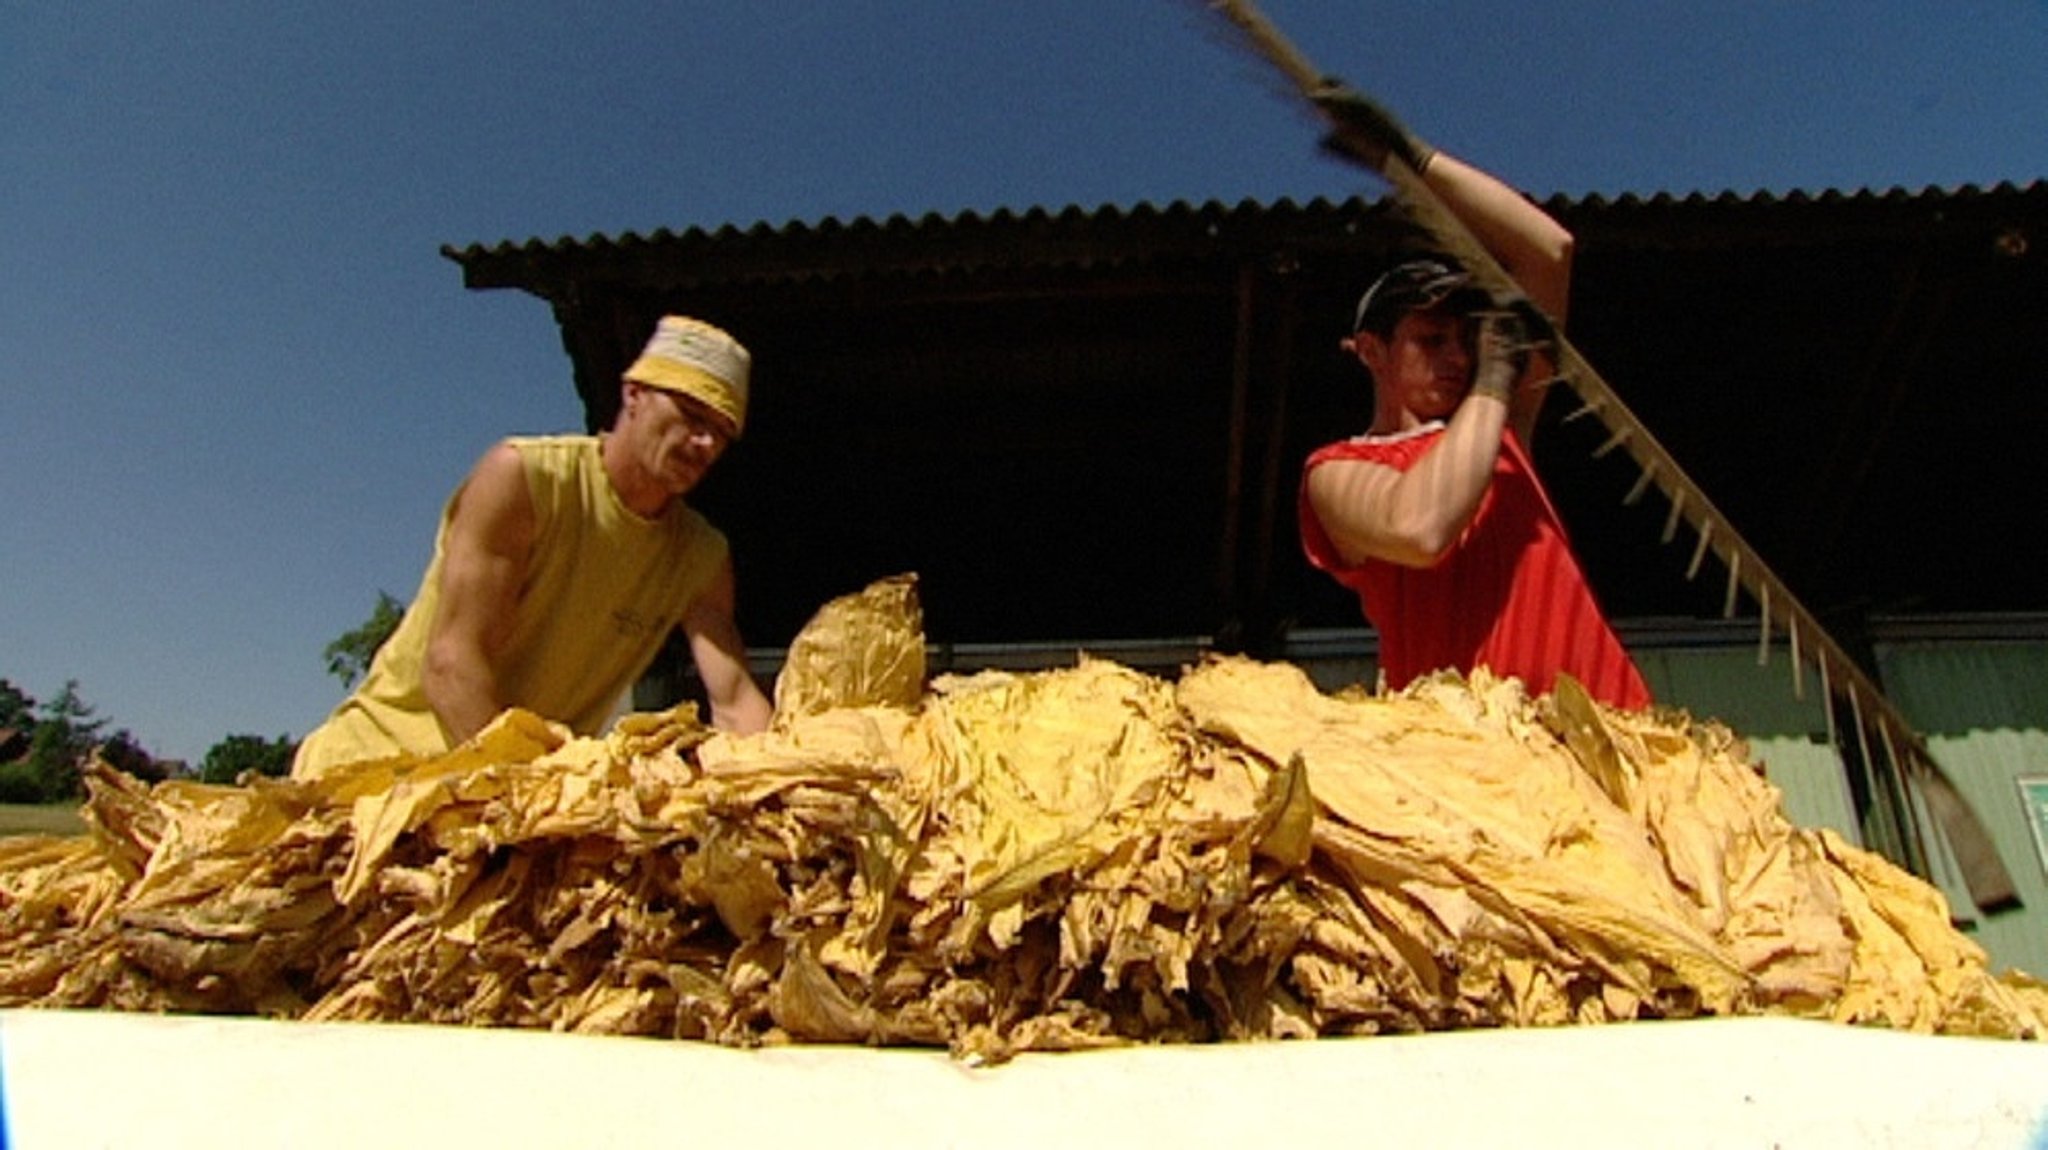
(801,251)
(1823,335)
(1074,236)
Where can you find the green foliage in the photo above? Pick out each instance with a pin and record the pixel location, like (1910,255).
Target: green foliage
(17,778)
(64,736)
(17,710)
(348,658)
(227,760)
(18,783)
(123,753)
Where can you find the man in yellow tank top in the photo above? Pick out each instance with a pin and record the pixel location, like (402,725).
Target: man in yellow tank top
(561,566)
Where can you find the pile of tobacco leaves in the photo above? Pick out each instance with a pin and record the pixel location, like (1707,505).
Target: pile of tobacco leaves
(1003,862)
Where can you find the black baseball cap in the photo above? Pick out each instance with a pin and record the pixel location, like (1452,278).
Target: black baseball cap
(1410,286)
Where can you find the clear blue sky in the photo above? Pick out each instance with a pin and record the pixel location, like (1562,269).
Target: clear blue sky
(237,380)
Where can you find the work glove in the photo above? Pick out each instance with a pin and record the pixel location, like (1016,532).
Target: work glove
(1500,351)
(1511,328)
(1364,130)
(1529,325)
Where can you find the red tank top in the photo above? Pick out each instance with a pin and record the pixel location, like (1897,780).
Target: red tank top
(1509,595)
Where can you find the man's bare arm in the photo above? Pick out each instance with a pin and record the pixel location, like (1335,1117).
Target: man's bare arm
(1535,250)
(1412,517)
(1372,511)
(489,542)
(737,703)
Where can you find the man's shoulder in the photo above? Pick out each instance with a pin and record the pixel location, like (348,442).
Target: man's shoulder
(1369,448)
(558,471)
(561,457)
(532,446)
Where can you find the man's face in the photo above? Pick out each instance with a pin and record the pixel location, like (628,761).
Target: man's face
(1425,363)
(678,438)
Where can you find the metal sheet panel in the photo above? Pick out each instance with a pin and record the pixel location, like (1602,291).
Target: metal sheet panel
(1983,707)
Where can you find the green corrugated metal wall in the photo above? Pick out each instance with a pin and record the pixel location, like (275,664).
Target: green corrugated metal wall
(1983,707)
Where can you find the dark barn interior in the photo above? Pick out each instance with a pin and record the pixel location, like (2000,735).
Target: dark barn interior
(1088,425)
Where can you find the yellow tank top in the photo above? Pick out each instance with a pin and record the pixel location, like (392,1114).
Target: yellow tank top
(604,590)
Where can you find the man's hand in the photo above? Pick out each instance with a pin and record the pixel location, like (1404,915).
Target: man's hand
(1510,330)
(1366,130)
(1502,350)
(1536,329)
(737,702)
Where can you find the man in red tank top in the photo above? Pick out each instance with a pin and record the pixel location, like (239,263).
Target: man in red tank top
(1435,516)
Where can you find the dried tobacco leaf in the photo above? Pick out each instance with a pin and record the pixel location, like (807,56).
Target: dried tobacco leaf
(1005,862)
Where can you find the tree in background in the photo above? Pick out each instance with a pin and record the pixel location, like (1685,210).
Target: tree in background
(227,760)
(65,733)
(348,658)
(123,753)
(17,714)
(60,736)
(17,710)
